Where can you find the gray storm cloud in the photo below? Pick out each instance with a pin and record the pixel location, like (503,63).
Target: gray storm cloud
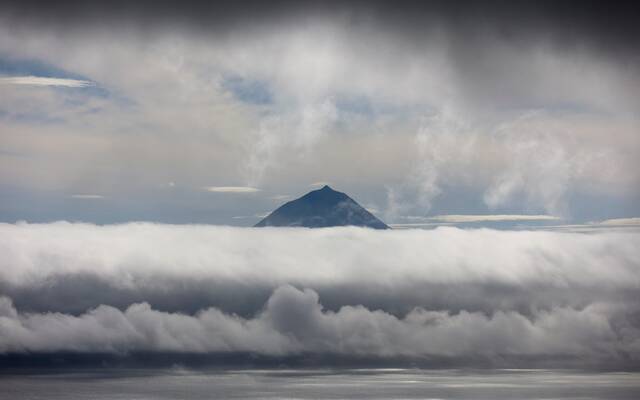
(293,321)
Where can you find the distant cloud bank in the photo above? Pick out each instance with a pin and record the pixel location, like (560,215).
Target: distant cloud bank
(491,218)
(622,221)
(87,196)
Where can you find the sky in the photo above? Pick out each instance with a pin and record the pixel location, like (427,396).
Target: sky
(219,113)
(138,142)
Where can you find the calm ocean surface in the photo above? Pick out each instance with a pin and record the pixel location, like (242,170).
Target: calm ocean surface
(320,384)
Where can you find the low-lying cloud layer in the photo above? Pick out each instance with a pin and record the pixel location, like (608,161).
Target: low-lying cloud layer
(129,253)
(294,321)
(349,291)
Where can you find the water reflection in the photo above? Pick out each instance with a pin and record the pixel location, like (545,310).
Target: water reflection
(178,383)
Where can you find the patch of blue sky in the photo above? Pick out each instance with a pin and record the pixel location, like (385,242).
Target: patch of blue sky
(248,90)
(77,97)
(28,67)
(91,91)
(368,106)
(574,108)
(29,118)
(354,105)
(352,108)
(558,108)
(72,97)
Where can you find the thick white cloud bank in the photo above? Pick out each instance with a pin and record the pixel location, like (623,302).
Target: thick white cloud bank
(351,291)
(128,252)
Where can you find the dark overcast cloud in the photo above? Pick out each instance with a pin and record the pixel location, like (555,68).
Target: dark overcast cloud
(581,22)
(293,322)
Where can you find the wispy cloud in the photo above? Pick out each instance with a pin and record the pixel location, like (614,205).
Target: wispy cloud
(318,184)
(87,196)
(44,81)
(280,197)
(452,219)
(231,189)
(462,218)
(262,215)
(418,225)
(622,221)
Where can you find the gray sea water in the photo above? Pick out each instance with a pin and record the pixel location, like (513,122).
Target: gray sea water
(320,384)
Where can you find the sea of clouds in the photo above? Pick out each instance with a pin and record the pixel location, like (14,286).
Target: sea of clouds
(447,292)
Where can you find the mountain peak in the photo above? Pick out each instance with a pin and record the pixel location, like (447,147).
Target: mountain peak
(322,207)
(325,189)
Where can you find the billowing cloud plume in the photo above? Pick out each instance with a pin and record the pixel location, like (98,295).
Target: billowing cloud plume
(538,166)
(440,142)
(294,321)
(282,134)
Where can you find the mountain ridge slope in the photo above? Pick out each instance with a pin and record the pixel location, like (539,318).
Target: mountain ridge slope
(321,208)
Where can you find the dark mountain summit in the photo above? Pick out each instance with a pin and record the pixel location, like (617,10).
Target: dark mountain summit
(322,208)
